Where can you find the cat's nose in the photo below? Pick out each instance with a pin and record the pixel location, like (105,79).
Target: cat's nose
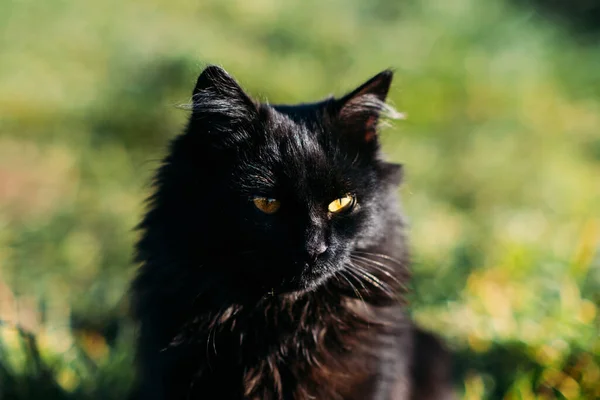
(315,251)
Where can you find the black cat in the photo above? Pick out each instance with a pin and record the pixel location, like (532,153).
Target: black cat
(274,258)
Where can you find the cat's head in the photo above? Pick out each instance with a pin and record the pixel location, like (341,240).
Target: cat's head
(276,198)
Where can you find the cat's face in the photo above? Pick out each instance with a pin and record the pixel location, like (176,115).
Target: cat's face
(283,194)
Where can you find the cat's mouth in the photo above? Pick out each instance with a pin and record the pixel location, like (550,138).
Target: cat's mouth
(278,275)
(309,278)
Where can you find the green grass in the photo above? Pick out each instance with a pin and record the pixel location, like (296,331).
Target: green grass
(501,148)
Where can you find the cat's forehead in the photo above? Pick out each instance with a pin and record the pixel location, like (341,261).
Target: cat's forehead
(296,135)
(292,153)
(296,123)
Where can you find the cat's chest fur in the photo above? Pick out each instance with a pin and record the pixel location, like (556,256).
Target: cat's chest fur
(346,358)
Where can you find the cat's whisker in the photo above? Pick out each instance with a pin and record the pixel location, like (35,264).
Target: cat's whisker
(379,255)
(342,275)
(392,292)
(356,276)
(372,279)
(395,290)
(214,342)
(207,347)
(380,267)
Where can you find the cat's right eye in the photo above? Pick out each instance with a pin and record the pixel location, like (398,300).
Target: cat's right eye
(342,204)
(266,204)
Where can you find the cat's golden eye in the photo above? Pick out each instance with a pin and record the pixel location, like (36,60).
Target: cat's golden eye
(267,205)
(345,203)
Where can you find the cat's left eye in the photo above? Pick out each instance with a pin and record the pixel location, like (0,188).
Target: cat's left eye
(267,205)
(345,203)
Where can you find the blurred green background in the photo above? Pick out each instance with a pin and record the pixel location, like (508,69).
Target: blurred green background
(501,147)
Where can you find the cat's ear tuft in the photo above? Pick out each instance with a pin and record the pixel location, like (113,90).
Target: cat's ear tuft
(362,109)
(217,94)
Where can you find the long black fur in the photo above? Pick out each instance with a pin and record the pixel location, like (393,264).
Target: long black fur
(233,303)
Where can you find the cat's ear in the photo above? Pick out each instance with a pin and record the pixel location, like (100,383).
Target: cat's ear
(378,86)
(361,110)
(217,95)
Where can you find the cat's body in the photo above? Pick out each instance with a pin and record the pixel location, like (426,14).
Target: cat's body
(283,298)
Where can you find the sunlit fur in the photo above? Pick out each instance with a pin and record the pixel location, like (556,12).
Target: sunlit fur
(302,303)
